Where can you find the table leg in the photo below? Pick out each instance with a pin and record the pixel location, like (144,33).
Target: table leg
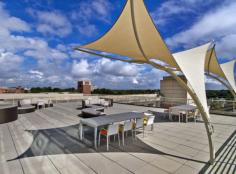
(81,131)
(95,137)
(170,116)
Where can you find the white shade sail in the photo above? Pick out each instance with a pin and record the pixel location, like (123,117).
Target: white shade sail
(192,64)
(228,69)
(211,62)
(134,35)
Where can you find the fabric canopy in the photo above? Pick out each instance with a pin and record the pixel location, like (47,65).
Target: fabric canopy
(134,35)
(228,69)
(211,61)
(212,65)
(192,64)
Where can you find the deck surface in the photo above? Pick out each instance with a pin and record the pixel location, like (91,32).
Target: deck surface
(46,141)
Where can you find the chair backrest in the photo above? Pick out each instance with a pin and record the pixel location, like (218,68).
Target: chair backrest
(150,120)
(209,108)
(128,125)
(139,123)
(174,111)
(25,102)
(113,129)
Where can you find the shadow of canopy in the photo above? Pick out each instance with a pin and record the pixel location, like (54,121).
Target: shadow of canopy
(65,140)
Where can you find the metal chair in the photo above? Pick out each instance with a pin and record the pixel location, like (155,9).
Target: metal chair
(139,124)
(125,127)
(113,129)
(150,122)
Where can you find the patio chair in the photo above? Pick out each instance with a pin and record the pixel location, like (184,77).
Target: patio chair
(177,113)
(139,125)
(113,129)
(196,115)
(149,121)
(41,104)
(125,127)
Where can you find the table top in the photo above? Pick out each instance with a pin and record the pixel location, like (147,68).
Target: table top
(7,106)
(113,118)
(184,107)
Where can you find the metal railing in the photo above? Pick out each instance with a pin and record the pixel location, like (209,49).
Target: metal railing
(222,106)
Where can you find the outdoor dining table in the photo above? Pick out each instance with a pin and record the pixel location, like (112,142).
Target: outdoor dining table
(96,122)
(181,108)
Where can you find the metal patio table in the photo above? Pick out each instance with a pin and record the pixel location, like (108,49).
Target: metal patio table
(181,108)
(106,120)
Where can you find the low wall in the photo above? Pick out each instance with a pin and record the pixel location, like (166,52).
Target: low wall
(64,97)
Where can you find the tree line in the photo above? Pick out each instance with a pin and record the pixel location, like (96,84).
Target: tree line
(103,91)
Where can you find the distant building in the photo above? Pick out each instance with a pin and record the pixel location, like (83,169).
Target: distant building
(85,87)
(3,90)
(18,89)
(172,93)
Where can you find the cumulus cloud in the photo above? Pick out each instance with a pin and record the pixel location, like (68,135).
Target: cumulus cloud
(208,28)
(115,74)
(10,64)
(81,69)
(53,23)
(36,74)
(172,10)
(12,23)
(88,10)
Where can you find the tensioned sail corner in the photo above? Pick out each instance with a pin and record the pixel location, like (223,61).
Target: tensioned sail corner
(228,69)
(192,64)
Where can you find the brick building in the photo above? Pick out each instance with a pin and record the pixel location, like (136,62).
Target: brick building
(3,90)
(18,89)
(85,87)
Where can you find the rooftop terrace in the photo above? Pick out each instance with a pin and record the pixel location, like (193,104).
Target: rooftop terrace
(46,141)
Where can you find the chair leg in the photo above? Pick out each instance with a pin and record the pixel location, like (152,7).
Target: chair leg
(108,139)
(143,131)
(135,134)
(118,138)
(123,138)
(152,127)
(114,138)
(99,139)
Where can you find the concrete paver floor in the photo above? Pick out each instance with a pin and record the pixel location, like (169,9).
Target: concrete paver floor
(46,141)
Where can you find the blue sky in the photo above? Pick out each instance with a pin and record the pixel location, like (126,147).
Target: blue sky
(37,37)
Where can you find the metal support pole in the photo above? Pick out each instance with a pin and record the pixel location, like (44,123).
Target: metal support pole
(208,125)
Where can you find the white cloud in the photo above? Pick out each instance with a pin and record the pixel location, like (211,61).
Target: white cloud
(81,69)
(36,74)
(12,23)
(116,68)
(219,25)
(87,29)
(53,23)
(171,10)
(226,47)
(88,12)
(115,74)
(10,64)
(46,53)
